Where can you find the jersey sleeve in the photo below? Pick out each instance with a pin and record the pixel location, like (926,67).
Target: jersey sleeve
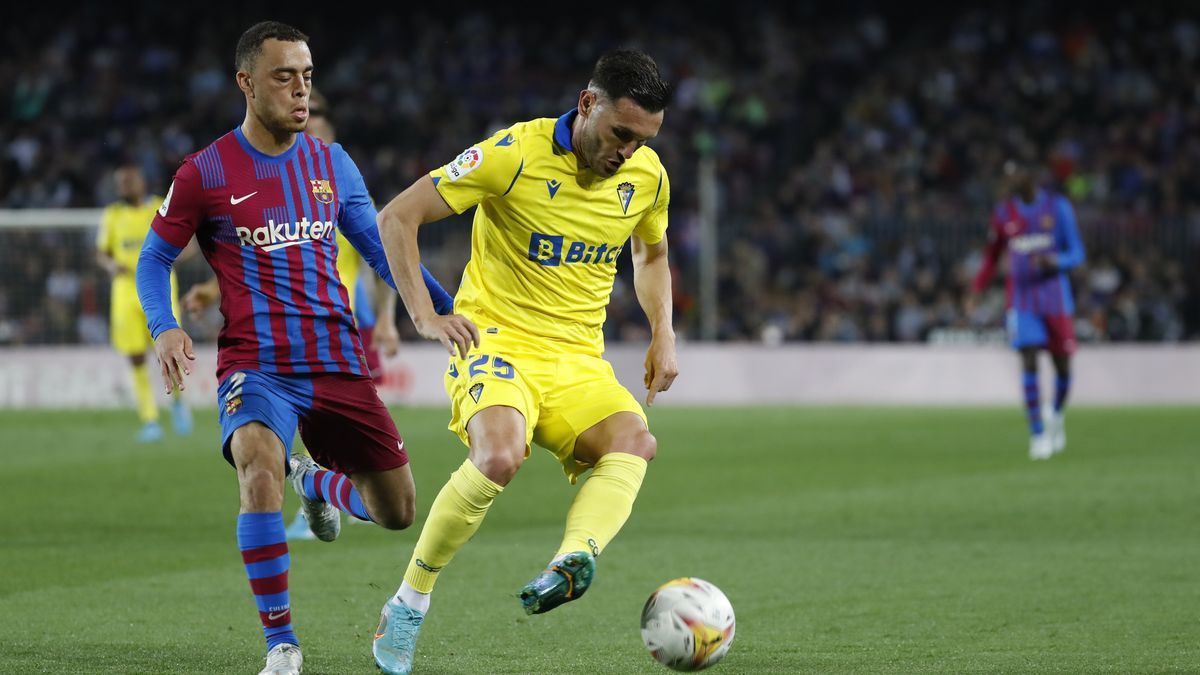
(997,242)
(181,213)
(356,210)
(1070,246)
(653,225)
(488,169)
(182,210)
(357,223)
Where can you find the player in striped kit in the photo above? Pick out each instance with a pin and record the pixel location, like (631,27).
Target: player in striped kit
(263,202)
(1037,228)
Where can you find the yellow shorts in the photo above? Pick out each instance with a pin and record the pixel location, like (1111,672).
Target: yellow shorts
(561,396)
(128,329)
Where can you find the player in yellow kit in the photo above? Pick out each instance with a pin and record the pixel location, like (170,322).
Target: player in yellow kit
(556,202)
(123,228)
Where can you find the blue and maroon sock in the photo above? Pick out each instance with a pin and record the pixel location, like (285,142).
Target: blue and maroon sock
(1033,406)
(335,488)
(263,543)
(1062,387)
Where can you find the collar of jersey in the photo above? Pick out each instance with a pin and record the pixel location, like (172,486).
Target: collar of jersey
(562,129)
(259,155)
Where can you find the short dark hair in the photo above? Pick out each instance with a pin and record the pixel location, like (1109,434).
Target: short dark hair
(249,46)
(630,73)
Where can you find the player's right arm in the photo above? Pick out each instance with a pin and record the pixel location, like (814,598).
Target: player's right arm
(174,224)
(398,223)
(995,246)
(480,172)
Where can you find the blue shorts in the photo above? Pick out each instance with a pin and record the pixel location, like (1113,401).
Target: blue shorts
(1055,333)
(341,420)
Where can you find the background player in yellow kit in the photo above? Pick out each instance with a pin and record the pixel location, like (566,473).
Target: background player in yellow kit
(557,200)
(123,229)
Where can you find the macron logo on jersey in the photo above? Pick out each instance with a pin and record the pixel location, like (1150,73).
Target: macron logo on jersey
(1031,243)
(547,251)
(275,235)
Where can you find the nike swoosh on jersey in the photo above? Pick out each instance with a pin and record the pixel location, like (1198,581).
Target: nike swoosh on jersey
(238,200)
(273,616)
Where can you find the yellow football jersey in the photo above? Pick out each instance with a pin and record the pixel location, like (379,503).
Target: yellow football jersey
(547,233)
(123,229)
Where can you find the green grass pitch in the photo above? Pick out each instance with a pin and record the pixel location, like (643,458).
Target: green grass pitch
(850,540)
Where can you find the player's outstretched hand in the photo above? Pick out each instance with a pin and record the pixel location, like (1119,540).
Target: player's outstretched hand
(386,339)
(174,350)
(452,330)
(661,366)
(200,297)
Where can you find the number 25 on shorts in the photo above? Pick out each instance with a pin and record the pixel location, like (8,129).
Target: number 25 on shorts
(479,366)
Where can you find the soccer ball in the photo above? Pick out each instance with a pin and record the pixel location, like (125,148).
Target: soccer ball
(687,624)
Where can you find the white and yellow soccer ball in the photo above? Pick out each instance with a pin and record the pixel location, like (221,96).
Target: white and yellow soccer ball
(687,624)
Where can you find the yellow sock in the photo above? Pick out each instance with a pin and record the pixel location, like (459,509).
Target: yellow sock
(453,519)
(604,503)
(147,408)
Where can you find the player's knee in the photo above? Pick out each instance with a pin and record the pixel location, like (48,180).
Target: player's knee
(259,463)
(398,517)
(1029,359)
(499,463)
(643,444)
(261,489)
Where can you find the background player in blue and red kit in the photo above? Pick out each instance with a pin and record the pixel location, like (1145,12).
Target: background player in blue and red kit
(263,202)
(1037,227)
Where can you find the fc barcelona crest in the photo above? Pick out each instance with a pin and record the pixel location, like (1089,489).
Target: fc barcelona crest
(1047,222)
(322,191)
(625,193)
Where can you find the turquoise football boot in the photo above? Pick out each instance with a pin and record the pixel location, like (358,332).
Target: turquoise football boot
(151,432)
(181,417)
(396,637)
(564,580)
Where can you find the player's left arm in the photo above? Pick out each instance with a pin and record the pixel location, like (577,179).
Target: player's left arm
(652,283)
(357,222)
(1070,247)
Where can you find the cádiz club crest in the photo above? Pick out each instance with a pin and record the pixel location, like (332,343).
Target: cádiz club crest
(625,193)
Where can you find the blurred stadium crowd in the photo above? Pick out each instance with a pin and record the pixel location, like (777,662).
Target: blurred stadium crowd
(857,155)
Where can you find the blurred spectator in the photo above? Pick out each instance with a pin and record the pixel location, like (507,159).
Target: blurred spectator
(858,153)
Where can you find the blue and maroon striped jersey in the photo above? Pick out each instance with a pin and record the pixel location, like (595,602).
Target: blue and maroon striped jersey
(1031,233)
(266,226)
